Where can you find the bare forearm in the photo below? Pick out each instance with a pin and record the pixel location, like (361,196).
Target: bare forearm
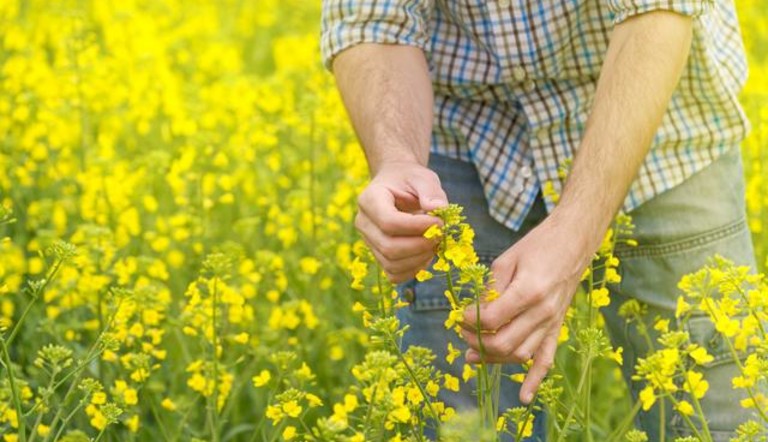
(643,65)
(388,95)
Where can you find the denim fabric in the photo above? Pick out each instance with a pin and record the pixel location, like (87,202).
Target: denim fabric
(677,231)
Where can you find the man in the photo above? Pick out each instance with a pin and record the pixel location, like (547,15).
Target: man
(641,93)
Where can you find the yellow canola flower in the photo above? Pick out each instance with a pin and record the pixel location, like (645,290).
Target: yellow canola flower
(452,353)
(168,404)
(434,231)
(685,408)
(517,377)
(468,373)
(612,276)
(262,378)
(289,433)
(350,403)
(423,275)
(647,397)
(313,400)
(43,430)
(432,388)
(309,265)
(451,383)
(130,396)
(696,384)
(133,423)
(727,326)
(274,413)
(600,297)
(99,398)
(617,355)
(455,317)
(292,408)
(700,355)
(525,428)
(662,325)
(682,307)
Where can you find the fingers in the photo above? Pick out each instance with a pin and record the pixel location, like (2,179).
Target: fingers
(404,269)
(393,248)
(543,359)
(430,193)
(514,300)
(512,343)
(542,363)
(378,205)
(392,222)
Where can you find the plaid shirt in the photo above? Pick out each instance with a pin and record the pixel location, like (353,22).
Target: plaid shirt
(514,81)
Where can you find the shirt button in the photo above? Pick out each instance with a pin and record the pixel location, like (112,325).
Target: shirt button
(518,188)
(529,85)
(518,73)
(505,3)
(409,295)
(525,172)
(540,134)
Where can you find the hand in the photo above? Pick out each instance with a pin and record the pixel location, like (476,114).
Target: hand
(536,279)
(392,217)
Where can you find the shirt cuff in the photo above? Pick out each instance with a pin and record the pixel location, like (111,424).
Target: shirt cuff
(624,9)
(401,23)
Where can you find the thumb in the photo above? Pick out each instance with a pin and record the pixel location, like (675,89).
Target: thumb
(430,193)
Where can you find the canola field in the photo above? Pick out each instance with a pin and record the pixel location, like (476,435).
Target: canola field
(178,260)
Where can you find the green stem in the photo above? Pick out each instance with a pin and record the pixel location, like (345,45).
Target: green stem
(49,390)
(66,420)
(579,389)
(14,391)
(622,428)
(528,411)
(39,291)
(213,408)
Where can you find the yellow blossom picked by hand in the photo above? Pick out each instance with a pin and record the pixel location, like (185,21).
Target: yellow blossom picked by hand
(434,231)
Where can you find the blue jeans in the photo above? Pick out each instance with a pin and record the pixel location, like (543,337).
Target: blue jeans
(677,231)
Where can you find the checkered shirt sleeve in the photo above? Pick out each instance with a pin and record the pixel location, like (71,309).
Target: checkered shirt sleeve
(346,23)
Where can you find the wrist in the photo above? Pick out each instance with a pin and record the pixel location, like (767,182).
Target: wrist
(584,228)
(397,160)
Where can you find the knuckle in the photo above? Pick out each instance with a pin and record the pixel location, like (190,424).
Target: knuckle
(387,250)
(429,174)
(495,346)
(359,221)
(497,265)
(388,227)
(549,308)
(363,199)
(488,318)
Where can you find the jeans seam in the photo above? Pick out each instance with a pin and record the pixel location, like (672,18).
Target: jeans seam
(685,244)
